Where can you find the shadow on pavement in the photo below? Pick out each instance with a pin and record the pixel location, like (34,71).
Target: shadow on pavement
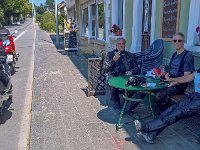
(7,114)
(107,115)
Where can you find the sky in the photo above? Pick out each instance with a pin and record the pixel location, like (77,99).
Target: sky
(38,2)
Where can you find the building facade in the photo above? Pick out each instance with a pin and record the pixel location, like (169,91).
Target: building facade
(141,22)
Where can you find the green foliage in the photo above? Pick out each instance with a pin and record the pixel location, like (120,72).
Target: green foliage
(61,28)
(1,16)
(38,17)
(40,9)
(50,4)
(101,15)
(48,22)
(61,18)
(15,8)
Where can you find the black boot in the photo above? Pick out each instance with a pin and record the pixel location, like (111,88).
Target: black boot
(147,137)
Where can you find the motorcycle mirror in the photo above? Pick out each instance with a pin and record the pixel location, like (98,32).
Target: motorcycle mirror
(16,31)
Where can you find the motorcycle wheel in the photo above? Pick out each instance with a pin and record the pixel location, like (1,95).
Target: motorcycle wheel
(12,69)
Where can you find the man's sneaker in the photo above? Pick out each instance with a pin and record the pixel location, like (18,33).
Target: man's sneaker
(147,137)
(138,125)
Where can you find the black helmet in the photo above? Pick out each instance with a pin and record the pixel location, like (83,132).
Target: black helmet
(135,81)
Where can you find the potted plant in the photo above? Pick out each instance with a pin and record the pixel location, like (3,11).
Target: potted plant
(197,36)
(116,30)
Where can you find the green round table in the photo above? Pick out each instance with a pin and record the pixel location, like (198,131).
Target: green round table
(121,81)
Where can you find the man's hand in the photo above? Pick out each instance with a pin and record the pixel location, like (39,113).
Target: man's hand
(116,57)
(128,73)
(167,78)
(172,84)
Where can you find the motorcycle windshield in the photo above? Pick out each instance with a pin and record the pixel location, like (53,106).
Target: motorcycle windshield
(6,42)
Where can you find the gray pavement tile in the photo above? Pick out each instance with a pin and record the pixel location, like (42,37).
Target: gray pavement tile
(192,124)
(95,126)
(181,130)
(85,113)
(51,115)
(90,119)
(79,135)
(73,124)
(74,145)
(167,137)
(97,134)
(54,132)
(193,142)
(37,144)
(59,123)
(36,105)
(58,147)
(36,125)
(104,144)
(55,142)
(69,112)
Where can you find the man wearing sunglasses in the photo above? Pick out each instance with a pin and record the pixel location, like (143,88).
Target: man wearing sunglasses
(187,107)
(181,63)
(117,63)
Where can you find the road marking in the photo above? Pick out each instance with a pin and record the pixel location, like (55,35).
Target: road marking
(20,35)
(118,143)
(24,135)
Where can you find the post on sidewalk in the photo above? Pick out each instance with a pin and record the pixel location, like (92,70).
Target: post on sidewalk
(57,30)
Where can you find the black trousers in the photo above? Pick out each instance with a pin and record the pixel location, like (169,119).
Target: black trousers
(114,95)
(163,95)
(188,106)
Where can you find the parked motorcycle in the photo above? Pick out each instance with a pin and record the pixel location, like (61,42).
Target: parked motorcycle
(7,42)
(5,81)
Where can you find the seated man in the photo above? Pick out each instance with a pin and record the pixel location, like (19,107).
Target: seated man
(181,63)
(117,63)
(188,106)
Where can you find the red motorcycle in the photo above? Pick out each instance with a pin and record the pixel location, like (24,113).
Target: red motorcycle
(7,42)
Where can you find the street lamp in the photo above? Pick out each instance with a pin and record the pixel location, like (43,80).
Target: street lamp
(57,31)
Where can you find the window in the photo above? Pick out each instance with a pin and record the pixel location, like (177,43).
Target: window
(193,22)
(93,24)
(101,21)
(93,20)
(120,13)
(117,13)
(85,22)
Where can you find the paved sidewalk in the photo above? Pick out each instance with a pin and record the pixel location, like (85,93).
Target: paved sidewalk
(63,118)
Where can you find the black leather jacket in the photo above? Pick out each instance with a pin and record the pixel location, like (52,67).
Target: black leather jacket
(126,62)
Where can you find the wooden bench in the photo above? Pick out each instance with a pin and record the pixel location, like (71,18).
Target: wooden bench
(177,98)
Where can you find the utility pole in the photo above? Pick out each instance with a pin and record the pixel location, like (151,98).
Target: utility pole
(33,11)
(57,31)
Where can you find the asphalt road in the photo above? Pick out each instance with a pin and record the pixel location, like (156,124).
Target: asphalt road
(14,131)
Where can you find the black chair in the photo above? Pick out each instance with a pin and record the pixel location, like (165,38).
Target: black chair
(151,57)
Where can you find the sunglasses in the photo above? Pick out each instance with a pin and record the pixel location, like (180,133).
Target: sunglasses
(177,41)
(121,43)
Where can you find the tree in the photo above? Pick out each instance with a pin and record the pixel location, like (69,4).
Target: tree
(50,4)
(15,8)
(48,22)
(40,9)
(1,16)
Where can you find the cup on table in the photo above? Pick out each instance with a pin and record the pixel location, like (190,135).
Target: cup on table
(149,73)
